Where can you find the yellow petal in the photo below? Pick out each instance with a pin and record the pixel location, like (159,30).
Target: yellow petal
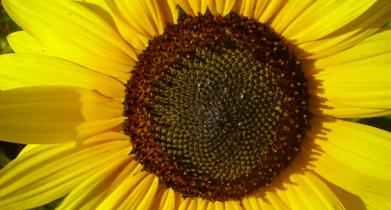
(206,205)
(185,204)
(375,49)
(349,200)
(101,8)
(132,36)
(232,205)
(169,11)
(366,87)
(305,190)
(288,13)
(275,202)
(352,156)
(53,114)
(92,188)
(373,204)
(251,7)
(48,172)
(220,205)
(264,199)
(220,7)
(323,18)
(139,21)
(178,200)
(22,70)
(321,107)
(162,199)
(28,147)
(123,185)
(73,33)
(262,11)
(94,192)
(250,203)
(193,205)
(165,199)
(198,6)
(370,155)
(144,17)
(349,35)
(239,7)
(22,42)
(142,196)
(185,5)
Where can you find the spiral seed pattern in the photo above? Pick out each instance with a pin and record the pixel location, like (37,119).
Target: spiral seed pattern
(216,107)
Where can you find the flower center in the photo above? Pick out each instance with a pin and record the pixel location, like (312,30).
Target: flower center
(216,106)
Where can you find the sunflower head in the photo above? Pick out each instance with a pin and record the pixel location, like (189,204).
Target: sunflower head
(216,106)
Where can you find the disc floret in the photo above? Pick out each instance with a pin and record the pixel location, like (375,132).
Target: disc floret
(216,106)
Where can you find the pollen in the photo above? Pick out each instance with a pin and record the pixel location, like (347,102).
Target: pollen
(216,107)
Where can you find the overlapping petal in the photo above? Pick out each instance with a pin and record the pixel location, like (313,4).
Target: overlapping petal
(94,190)
(197,204)
(374,50)
(349,35)
(169,10)
(100,8)
(262,11)
(220,7)
(352,156)
(208,205)
(335,89)
(304,190)
(24,70)
(81,36)
(142,194)
(22,42)
(288,13)
(139,21)
(54,114)
(268,200)
(48,172)
(373,204)
(349,200)
(166,199)
(239,7)
(311,24)
(352,83)
(192,7)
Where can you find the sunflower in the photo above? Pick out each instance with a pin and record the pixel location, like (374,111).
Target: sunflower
(227,104)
